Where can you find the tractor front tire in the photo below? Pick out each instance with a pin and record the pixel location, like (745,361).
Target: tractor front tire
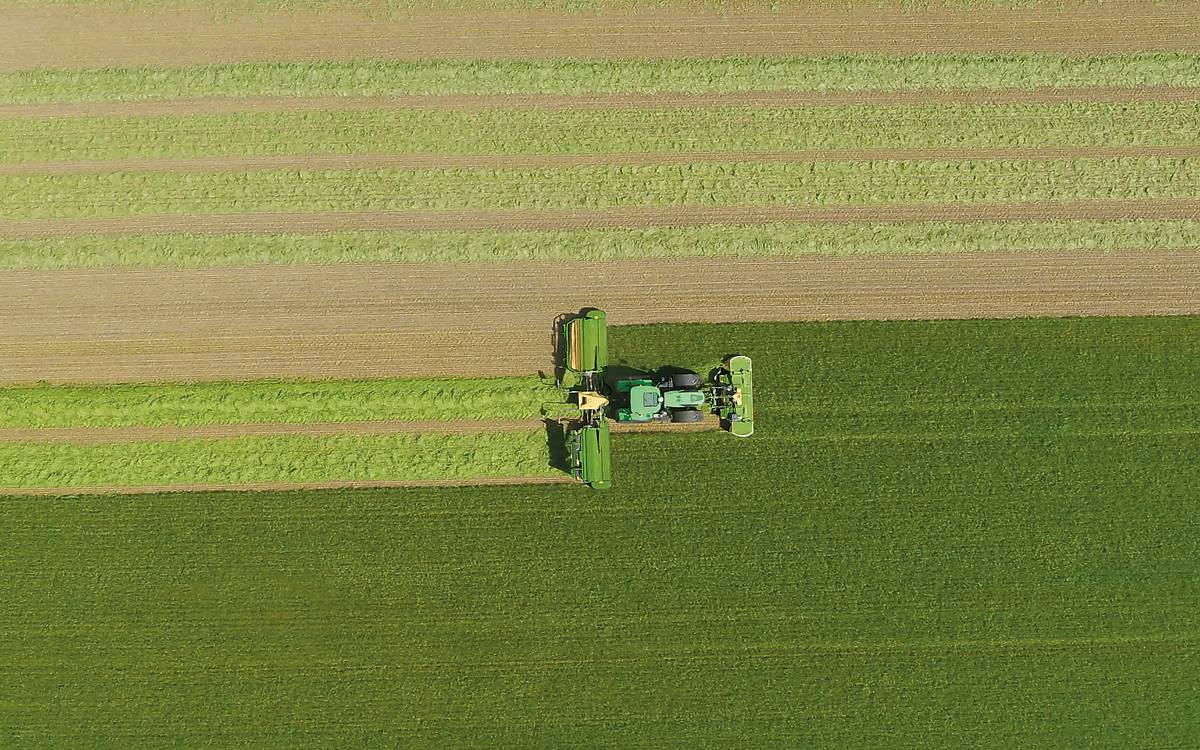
(685,416)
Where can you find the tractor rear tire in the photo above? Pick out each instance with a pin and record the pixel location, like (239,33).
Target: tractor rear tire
(684,416)
(687,380)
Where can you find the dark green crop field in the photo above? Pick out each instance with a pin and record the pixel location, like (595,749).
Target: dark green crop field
(947,534)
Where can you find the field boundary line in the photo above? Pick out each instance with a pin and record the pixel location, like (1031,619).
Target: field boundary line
(318,162)
(605,218)
(562,102)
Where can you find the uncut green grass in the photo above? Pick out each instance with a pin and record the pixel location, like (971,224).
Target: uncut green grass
(502,131)
(715,184)
(778,240)
(291,458)
(725,75)
(274,402)
(845,578)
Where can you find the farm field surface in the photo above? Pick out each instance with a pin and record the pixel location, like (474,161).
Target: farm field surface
(382,320)
(95,34)
(966,526)
(281,291)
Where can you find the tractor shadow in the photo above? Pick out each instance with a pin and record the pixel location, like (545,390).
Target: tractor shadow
(556,442)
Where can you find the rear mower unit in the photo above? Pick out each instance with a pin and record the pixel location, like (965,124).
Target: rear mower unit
(679,398)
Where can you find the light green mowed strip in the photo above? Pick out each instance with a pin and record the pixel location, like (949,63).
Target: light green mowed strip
(275,402)
(835,73)
(275,459)
(717,184)
(506,131)
(491,246)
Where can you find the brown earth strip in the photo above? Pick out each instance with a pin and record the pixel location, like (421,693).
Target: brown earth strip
(57,36)
(144,433)
(396,320)
(564,102)
(533,161)
(280,486)
(549,219)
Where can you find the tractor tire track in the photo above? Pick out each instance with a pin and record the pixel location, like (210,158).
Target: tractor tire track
(315,162)
(438,320)
(95,36)
(561,219)
(565,102)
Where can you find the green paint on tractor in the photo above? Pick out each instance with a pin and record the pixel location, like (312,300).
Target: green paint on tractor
(680,398)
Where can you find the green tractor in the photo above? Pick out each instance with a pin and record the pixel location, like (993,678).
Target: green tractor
(679,398)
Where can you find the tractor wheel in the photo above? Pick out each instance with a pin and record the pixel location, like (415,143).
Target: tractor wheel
(687,380)
(684,416)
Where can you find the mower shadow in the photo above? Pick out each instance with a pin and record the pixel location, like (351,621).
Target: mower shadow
(556,442)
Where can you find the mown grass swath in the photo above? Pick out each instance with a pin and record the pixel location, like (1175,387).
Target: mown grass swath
(772,240)
(274,402)
(848,561)
(374,78)
(275,459)
(514,131)
(709,184)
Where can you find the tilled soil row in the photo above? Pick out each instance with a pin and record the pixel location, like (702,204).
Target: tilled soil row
(53,36)
(533,161)
(564,102)
(389,320)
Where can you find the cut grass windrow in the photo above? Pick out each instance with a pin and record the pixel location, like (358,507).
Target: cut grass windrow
(837,73)
(271,402)
(268,459)
(495,246)
(616,131)
(733,184)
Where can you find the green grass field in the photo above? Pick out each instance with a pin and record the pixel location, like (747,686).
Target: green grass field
(515,131)
(287,459)
(274,402)
(709,184)
(781,240)
(947,534)
(834,73)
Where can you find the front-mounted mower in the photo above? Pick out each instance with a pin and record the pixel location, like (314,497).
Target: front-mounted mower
(679,398)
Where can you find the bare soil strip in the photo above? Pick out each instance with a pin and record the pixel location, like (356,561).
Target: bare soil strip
(143,433)
(550,219)
(52,36)
(280,486)
(395,320)
(533,161)
(563,102)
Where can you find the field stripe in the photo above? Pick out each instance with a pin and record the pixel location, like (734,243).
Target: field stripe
(665,187)
(282,486)
(548,219)
(141,433)
(97,435)
(425,320)
(507,161)
(568,102)
(85,36)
